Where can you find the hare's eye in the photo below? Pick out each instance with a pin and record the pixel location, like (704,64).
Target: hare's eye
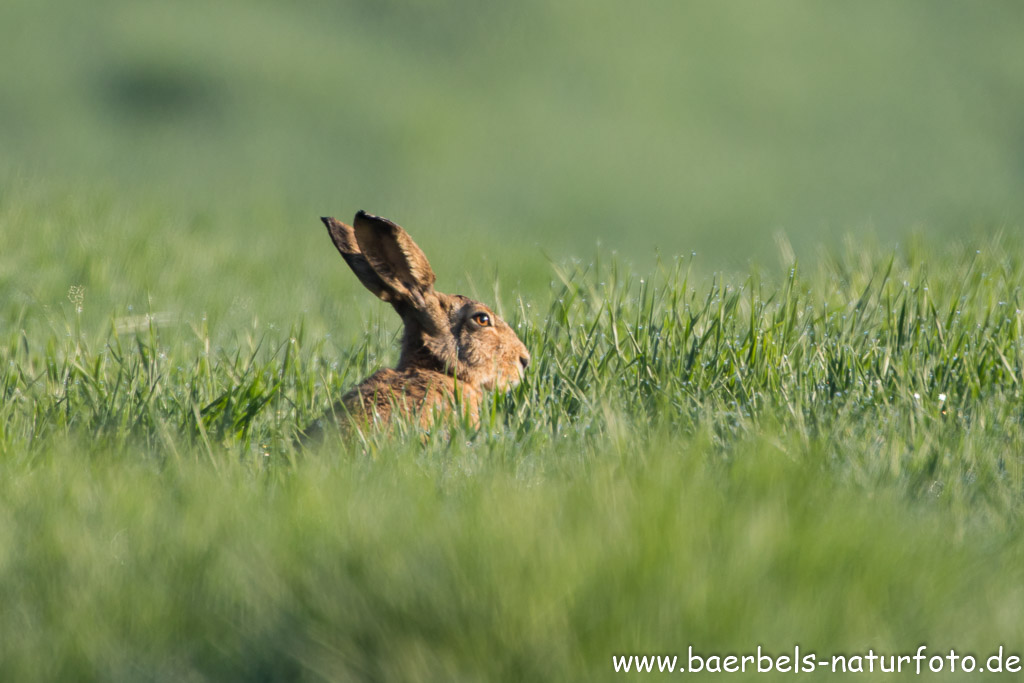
(482,319)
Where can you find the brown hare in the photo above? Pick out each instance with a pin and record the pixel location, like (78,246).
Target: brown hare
(453,348)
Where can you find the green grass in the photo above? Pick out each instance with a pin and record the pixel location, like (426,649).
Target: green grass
(831,459)
(764,257)
(676,126)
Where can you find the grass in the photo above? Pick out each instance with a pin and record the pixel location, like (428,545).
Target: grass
(693,126)
(830,459)
(764,258)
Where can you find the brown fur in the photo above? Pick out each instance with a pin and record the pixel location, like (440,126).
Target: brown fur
(448,358)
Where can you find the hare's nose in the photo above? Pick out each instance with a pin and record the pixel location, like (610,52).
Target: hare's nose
(524,361)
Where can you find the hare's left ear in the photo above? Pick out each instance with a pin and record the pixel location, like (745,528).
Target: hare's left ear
(399,263)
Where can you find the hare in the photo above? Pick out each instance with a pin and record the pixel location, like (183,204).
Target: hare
(453,348)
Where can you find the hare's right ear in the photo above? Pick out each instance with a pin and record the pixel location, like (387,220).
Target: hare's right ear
(344,239)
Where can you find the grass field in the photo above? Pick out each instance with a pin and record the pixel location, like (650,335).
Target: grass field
(766,261)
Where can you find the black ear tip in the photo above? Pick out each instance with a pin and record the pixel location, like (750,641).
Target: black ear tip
(326,220)
(366,215)
(378,224)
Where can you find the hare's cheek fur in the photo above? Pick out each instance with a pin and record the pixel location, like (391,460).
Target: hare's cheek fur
(490,357)
(476,351)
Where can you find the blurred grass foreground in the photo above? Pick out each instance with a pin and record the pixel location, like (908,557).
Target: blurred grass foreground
(764,257)
(834,462)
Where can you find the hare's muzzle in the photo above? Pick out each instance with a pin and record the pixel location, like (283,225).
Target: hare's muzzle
(524,362)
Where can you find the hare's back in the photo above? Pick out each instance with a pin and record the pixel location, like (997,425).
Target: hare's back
(413,393)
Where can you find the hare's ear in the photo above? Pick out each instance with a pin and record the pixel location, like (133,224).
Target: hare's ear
(400,265)
(344,239)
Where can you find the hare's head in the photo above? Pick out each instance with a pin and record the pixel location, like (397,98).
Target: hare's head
(446,333)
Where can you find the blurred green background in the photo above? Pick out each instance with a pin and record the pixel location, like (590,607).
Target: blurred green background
(529,126)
